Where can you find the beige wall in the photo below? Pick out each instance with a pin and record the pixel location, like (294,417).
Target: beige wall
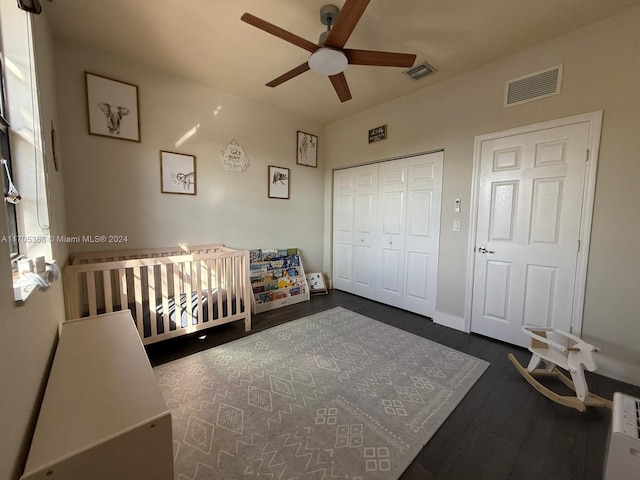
(113,186)
(601,72)
(28,334)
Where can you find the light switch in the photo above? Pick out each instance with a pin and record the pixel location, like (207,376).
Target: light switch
(456,225)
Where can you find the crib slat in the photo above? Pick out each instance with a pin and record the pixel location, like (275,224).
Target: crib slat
(229,283)
(122,276)
(151,291)
(246,290)
(137,295)
(237,275)
(188,268)
(240,284)
(219,285)
(165,297)
(210,284)
(91,293)
(177,290)
(106,284)
(199,290)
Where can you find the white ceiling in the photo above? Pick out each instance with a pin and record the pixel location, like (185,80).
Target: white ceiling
(204,40)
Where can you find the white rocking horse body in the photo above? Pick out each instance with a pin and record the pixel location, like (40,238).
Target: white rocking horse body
(573,357)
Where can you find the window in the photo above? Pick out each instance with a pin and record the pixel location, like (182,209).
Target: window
(21,139)
(12,219)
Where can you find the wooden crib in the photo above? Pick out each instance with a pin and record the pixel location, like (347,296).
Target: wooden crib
(170,291)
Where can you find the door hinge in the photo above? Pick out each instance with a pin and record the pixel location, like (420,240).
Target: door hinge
(588,155)
(578,245)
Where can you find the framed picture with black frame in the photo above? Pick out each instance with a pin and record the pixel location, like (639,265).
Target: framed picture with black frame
(307,149)
(278,178)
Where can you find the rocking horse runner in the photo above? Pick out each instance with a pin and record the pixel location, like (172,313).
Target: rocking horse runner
(574,357)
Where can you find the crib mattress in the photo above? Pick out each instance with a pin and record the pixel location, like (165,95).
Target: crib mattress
(178,317)
(183,318)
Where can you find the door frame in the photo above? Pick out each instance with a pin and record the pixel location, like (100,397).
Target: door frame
(591,157)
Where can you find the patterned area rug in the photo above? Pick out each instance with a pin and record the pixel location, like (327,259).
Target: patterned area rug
(332,395)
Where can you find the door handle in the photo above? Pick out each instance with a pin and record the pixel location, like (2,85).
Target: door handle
(484,250)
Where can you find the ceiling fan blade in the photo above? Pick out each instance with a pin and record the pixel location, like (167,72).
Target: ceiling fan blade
(339,83)
(279,32)
(381,59)
(289,75)
(346,22)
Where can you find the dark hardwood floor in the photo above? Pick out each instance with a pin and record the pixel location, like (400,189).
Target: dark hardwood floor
(502,429)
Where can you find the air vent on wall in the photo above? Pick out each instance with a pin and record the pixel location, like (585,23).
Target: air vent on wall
(420,71)
(535,86)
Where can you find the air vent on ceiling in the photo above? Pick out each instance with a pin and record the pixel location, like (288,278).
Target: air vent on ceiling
(535,86)
(420,71)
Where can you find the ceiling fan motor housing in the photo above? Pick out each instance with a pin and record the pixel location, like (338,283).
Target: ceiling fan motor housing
(328,14)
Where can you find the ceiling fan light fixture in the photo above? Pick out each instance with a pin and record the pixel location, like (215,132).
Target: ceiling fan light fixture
(328,61)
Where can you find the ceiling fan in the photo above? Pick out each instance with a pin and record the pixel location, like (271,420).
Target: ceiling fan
(329,57)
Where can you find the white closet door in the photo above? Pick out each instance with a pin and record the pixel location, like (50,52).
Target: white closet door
(386,227)
(355,230)
(422,240)
(392,197)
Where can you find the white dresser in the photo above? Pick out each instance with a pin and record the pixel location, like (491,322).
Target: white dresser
(103,416)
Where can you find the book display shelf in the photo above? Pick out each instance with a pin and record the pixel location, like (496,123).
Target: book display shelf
(277,278)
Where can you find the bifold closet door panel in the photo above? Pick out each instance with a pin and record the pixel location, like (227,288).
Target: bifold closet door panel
(422,240)
(392,198)
(355,230)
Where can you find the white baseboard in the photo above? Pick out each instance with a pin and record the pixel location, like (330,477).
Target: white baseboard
(448,320)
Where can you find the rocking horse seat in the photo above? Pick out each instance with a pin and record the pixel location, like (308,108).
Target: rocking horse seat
(572,355)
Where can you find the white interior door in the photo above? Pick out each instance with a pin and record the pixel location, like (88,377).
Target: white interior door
(354,230)
(530,200)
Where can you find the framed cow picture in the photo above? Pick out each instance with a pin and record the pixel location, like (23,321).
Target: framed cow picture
(278,182)
(112,108)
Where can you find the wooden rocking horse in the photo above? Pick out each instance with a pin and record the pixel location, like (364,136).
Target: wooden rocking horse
(574,358)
